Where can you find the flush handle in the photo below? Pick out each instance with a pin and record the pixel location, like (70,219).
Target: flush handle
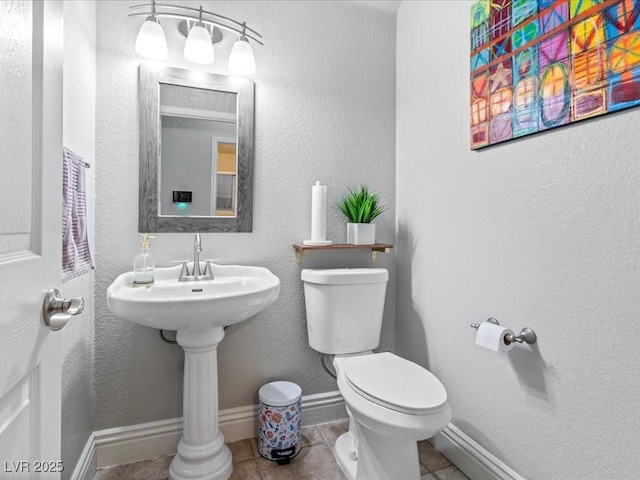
(57,311)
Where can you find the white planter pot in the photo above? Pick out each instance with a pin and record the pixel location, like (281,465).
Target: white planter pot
(361,233)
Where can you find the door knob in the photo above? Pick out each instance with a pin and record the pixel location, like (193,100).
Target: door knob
(57,311)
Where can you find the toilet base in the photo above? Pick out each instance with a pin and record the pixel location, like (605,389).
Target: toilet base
(367,455)
(343,447)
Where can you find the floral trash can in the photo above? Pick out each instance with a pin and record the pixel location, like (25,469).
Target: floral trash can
(279,421)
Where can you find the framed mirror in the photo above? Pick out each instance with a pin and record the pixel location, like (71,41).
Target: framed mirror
(196,151)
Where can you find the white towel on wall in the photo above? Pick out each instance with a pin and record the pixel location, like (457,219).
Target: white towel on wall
(76,257)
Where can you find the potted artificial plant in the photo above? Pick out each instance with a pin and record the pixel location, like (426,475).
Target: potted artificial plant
(360,207)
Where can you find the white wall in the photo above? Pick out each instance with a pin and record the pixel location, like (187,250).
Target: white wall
(542,232)
(79,136)
(325,104)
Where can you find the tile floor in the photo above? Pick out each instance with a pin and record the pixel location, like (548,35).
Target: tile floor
(314,462)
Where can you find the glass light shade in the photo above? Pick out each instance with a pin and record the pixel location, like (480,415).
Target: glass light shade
(241,61)
(198,48)
(151,42)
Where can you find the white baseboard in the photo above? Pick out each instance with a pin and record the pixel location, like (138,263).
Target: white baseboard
(322,408)
(86,466)
(470,457)
(117,446)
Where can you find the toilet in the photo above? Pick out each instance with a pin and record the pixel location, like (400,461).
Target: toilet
(392,403)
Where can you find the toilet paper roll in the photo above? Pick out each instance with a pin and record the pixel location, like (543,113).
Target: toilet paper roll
(318,212)
(318,216)
(491,336)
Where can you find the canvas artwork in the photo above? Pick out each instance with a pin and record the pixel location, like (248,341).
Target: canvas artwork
(541,64)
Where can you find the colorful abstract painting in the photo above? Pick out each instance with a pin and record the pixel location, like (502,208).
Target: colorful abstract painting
(541,64)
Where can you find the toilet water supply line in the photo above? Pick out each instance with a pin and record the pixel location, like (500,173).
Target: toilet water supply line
(323,357)
(165,339)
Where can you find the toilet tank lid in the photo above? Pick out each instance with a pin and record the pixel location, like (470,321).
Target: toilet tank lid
(345,276)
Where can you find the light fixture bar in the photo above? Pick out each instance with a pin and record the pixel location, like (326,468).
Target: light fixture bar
(227,19)
(184,13)
(197,10)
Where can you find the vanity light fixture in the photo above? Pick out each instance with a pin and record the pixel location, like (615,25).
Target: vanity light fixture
(241,60)
(203,29)
(198,47)
(151,42)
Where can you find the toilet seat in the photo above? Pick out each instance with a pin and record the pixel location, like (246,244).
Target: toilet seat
(395,383)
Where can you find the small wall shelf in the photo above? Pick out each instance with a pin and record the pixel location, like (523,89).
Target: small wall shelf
(306,249)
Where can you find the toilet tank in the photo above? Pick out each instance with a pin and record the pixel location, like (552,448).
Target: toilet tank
(344,308)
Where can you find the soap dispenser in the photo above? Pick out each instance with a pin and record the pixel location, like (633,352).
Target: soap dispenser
(144,264)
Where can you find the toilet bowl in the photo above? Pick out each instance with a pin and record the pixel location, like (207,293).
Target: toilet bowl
(392,403)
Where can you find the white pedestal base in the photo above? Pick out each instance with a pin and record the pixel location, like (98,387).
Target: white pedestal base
(202,454)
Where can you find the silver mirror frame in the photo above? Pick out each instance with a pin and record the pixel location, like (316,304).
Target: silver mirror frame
(149,220)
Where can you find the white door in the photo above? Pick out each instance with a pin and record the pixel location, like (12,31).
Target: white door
(30,235)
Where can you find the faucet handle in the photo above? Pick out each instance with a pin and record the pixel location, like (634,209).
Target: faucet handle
(185,270)
(207,268)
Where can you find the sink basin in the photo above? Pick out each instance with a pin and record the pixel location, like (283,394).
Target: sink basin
(236,293)
(198,310)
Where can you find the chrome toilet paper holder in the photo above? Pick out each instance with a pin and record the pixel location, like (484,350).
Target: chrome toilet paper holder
(526,335)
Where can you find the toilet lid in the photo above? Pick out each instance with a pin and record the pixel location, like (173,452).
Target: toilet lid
(395,383)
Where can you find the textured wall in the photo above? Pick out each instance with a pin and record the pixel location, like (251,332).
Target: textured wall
(325,104)
(542,232)
(79,136)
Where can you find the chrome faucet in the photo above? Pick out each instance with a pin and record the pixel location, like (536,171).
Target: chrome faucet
(196,273)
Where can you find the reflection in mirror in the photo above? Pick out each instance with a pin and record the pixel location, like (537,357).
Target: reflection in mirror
(196,151)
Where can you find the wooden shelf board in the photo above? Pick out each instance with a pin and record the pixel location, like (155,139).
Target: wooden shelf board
(306,249)
(343,246)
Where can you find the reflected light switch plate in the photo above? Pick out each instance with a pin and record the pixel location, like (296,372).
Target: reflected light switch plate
(181,196)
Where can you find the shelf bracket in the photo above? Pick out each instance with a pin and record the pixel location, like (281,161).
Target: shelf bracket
(374,252)
(299,254)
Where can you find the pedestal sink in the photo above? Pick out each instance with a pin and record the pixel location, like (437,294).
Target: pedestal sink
(199,311)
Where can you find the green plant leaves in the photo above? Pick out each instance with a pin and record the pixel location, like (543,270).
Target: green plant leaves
(361,206)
